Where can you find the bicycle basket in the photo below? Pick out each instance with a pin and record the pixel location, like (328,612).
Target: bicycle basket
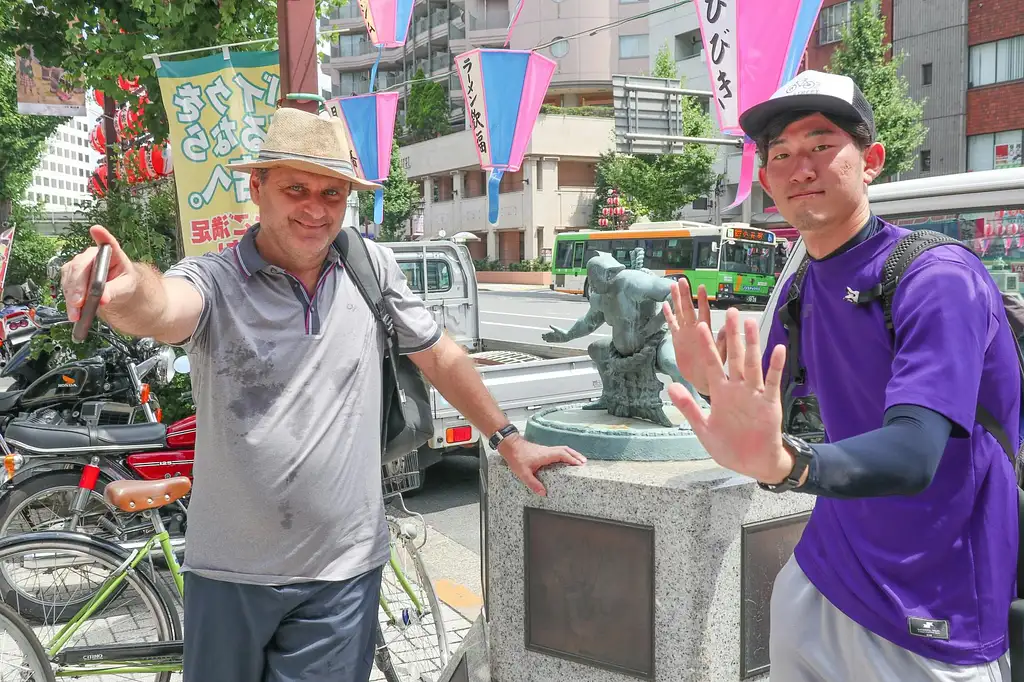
(401,475)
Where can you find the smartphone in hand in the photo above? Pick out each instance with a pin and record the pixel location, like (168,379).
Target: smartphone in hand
(97,279)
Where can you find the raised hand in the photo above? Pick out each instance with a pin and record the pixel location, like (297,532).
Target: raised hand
(682,324)
(122,279)
(743,431)
(556,335)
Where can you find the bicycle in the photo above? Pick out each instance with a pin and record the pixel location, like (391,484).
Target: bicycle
(408,603)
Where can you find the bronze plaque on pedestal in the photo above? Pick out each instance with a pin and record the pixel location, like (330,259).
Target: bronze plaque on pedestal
(590,590)
(765,547)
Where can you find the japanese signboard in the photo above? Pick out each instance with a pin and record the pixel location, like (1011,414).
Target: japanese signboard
(218,111)
(45,90)
(6,242)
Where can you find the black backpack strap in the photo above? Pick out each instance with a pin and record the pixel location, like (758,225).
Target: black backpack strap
(364,275)
(789,316)
(902,255)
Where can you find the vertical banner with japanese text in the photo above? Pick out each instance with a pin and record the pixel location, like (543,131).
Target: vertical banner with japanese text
(218,111)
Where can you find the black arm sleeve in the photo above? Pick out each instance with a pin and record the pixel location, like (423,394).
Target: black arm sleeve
(898,459)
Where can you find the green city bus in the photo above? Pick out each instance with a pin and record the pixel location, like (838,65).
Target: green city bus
(735,262)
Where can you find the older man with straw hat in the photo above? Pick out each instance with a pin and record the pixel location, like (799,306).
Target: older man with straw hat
(286,535)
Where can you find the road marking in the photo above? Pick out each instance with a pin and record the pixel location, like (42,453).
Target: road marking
(523,326)
(457,596)
(536,317)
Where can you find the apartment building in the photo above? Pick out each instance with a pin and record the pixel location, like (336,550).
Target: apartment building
(554,190)
(61,181)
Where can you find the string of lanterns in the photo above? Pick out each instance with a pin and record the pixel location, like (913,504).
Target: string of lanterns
(141,161)
(613,213)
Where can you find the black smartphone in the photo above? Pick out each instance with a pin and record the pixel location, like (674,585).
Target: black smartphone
(97,279)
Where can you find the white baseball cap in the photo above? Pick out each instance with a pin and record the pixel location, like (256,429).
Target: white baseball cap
(813,92)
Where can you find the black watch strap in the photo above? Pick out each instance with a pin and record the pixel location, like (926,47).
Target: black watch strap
(502,433)
(802,455)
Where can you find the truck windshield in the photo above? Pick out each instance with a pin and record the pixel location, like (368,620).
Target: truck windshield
(748,258)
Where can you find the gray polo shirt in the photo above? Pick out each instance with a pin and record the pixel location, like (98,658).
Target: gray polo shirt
(287,388)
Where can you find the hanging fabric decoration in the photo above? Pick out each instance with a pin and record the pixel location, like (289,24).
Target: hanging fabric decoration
(370,126)
(387,25)
(512,22)
(504,90)
(752,48)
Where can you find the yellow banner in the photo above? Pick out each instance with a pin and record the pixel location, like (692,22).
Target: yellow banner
(218,110)
(45,90)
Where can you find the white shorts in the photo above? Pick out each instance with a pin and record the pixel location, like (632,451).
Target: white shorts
(812,641)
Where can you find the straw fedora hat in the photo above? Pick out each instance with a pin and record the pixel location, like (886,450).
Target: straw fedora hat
(308,142)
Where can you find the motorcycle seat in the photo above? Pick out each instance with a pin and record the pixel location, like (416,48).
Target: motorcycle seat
(9,400)
(49,439)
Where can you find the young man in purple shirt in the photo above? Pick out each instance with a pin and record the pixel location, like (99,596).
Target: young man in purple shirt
(907,567)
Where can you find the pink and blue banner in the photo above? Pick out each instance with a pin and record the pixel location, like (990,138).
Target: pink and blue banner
(747,62)
(387,21)
(370,126)
(504,90)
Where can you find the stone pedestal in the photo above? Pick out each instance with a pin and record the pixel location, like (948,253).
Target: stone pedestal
(633,570)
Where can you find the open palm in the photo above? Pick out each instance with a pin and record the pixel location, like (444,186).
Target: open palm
(683,323)
(743,431)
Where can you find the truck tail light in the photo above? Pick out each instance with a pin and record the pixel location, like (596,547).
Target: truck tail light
(458,434)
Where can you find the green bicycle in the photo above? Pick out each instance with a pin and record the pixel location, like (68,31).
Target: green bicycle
(109,613)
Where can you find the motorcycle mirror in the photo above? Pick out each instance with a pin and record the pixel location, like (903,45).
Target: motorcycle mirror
(181,364)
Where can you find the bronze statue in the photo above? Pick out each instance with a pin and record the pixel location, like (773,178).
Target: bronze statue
(630,301)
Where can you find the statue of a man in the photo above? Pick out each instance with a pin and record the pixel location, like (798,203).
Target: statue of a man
(630,302)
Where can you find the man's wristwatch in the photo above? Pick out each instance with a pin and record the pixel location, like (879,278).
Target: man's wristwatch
(802,456)
(502,433)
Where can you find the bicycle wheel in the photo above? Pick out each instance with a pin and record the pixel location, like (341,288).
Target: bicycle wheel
(33,665)
(54,569)
(411,620)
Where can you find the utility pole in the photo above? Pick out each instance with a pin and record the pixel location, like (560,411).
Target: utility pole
(296,31)
(110,134)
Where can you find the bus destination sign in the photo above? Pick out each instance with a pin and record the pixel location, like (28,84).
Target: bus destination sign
(750,234)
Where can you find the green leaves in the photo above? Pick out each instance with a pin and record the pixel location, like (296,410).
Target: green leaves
(426,109)
(400,197)
(862,57)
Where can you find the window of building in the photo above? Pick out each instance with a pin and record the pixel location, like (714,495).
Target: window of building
(700,204)
(559,48)
(998,150)
(634,46)
(831,21)
(31,196)
(997,62)
(926,160)
(688,45)
(46,182)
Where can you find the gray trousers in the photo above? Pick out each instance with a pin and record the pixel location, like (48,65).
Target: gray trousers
(812,641)
(313,632)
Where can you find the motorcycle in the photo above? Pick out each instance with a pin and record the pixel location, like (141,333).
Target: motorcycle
(62,487)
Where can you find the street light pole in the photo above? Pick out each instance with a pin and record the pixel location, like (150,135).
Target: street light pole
(296,31)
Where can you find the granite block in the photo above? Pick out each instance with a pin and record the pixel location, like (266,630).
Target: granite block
(697,511)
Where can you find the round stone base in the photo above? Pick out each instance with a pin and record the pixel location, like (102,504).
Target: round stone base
(601,436)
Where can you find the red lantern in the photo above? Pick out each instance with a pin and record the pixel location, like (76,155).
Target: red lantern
(160,160)
(98,96)
(603,222)
(98,182)
(127,85)
(97,139)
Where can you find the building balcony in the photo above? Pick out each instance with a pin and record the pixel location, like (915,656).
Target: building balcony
(488,29)
(365,58)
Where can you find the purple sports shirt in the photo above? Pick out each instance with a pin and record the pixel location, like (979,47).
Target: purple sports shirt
(948,553)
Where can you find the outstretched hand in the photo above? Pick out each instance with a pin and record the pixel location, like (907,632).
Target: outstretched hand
(683,323)
(743,431)
(556,335)
(122,279)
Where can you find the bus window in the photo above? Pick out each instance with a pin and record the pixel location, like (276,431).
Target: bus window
(679,254)
(621,248)
(577,254)
(747,257)
(654,254)
(563,255)
(706,256)
(595,245)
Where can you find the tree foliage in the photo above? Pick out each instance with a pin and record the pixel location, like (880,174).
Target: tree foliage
(660,185)
(400,197)
(427,108)
(862,57)
(30,251)
(99,41)
(22,138)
